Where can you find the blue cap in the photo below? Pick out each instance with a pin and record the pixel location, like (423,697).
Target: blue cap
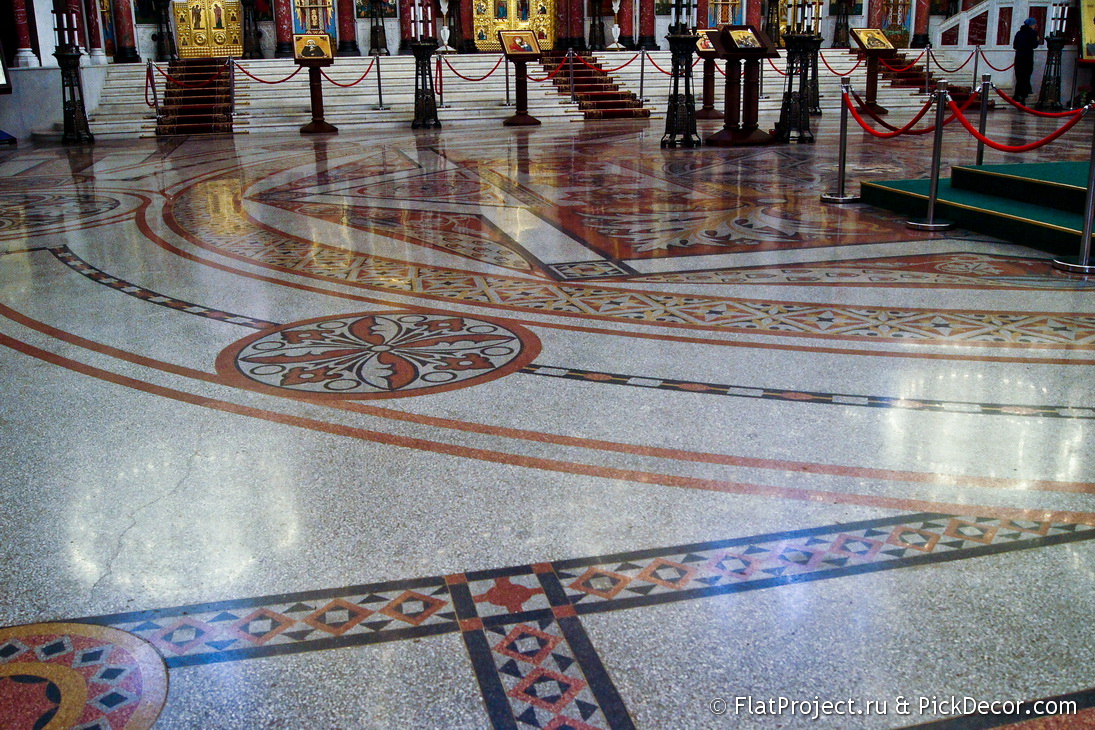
(1030,21)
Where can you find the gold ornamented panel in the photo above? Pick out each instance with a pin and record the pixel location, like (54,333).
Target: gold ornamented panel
(491,16)
(208,28)
(1087,32)
(723,12)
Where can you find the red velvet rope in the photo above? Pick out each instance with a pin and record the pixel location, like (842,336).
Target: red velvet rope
(551,75)
(655,65)
(438,79)
(944,69)
(897,131)
(355,83)
(264,81)
(149,80)
(906,129)
(901,70)
(1035,112)
(986,60)
(608,70)
(833,71)
(955,111)
(965,105)
(481,78)
(185,85)
(776,68)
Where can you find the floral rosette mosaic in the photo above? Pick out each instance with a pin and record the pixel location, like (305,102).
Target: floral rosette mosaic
(377,355)
(78,676)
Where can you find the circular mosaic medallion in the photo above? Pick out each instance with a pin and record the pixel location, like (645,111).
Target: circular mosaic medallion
(23,211)
(78,676)
(379,355)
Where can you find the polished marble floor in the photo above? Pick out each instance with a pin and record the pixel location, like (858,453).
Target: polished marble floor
(484,427)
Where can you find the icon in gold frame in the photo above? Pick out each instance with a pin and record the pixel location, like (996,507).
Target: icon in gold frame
(745,38)
(519,43)
(312,46)
(871,39)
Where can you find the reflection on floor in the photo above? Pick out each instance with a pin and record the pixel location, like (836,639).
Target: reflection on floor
(322,433)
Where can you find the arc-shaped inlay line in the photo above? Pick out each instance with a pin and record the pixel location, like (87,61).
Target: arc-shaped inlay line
(74,262)
(809,396)
(65,255)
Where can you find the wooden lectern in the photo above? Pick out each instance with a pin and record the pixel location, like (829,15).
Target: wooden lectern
(738,44)
(520,47)
(706,50)
(313,50)
(873,44)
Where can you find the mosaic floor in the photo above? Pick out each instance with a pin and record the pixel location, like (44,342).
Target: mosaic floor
(491,428)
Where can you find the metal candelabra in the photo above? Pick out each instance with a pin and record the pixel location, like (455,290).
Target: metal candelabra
(76,129)
(771,23)
(165,40)
(815,93)
(252,48)
(378,37)
(425,101)
(680,114)
(843,25)
(1049,97)
(794,112)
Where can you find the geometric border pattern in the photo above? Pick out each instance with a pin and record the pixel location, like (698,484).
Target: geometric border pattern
(521,625)
(187,213)
(588,270)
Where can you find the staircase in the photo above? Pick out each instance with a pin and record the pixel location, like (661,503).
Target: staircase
(1034,204)
(656,84)
(598,95)
(202,100)
(261,108)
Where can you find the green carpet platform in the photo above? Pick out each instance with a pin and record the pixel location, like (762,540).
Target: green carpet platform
(1034,204)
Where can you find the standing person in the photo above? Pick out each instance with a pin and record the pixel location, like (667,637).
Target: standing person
(1026,40)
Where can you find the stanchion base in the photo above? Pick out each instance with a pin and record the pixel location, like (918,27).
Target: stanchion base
(835,198)
(923,224)
(318,126)
(1073,266)
(710,113)
(871,106)
(521,120)
(381,108)
(739,138)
